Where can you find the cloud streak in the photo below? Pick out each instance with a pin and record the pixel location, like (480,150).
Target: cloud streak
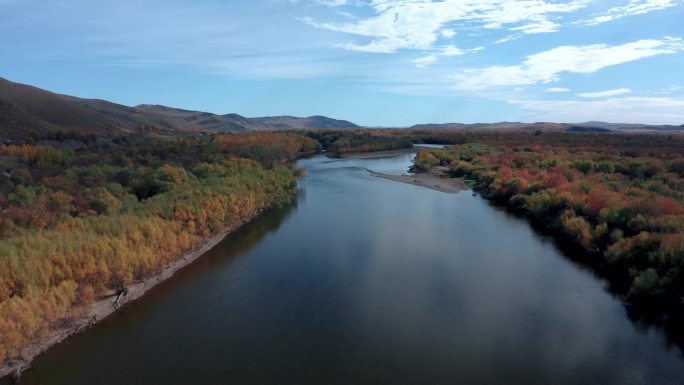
(634,7)
(604,94)
(653,110)
(545,67)
(418,24)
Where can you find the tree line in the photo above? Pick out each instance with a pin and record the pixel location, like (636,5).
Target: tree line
(80,215)
(621,207)
(77,223)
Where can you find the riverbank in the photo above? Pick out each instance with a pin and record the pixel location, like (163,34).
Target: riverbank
(431,181)
(104,307)
(435,180)
(378,154)
(609,211)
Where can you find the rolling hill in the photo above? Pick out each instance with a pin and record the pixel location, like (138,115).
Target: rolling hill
(204,120)
(548,126)
(25,109)
(292,122)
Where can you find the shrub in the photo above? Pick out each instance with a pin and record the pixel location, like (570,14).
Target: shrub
(577,229)
(425,161)
(584,165)
(677,167)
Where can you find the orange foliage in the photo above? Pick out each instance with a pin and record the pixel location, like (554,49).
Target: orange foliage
(79,231)
(620,205)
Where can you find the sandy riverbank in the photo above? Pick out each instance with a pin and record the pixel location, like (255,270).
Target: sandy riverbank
(105,307)
(432,180)
(435,179)
(379,154)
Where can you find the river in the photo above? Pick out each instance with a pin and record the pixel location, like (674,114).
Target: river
(370,281)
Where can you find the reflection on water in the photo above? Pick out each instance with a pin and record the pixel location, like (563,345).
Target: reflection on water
(368,281)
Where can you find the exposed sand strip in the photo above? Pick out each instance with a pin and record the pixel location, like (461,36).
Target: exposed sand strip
(379,154)
(431,181)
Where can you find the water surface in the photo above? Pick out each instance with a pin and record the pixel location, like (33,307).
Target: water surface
(369,281)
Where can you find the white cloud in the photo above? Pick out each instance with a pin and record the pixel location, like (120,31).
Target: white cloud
(634,7)
(418,24)
(330,3)
(425,61)
(507,39)
(545,67)
(557,90)
(448,50)
(604,94)
(448,33)
(673,89)
(542,26)
(652,110)
(346,14)
(452,50)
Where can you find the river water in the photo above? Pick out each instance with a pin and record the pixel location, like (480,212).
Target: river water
(369,281)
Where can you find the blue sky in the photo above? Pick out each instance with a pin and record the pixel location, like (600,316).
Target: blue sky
(377,63)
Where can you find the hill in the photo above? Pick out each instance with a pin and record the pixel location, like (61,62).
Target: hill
(548,126)
(205,120)
(292,122)
(25,109)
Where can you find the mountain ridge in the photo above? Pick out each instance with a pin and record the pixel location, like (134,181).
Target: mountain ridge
(550,126)
(25,109)
(315,121)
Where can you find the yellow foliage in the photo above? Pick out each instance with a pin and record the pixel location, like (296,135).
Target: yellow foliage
(46,274)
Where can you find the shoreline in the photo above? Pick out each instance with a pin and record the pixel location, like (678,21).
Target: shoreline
(104,307)
(430,180)
(378,154)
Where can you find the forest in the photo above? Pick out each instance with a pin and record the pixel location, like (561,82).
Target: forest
(616,200)
(340,142)
(80,215)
